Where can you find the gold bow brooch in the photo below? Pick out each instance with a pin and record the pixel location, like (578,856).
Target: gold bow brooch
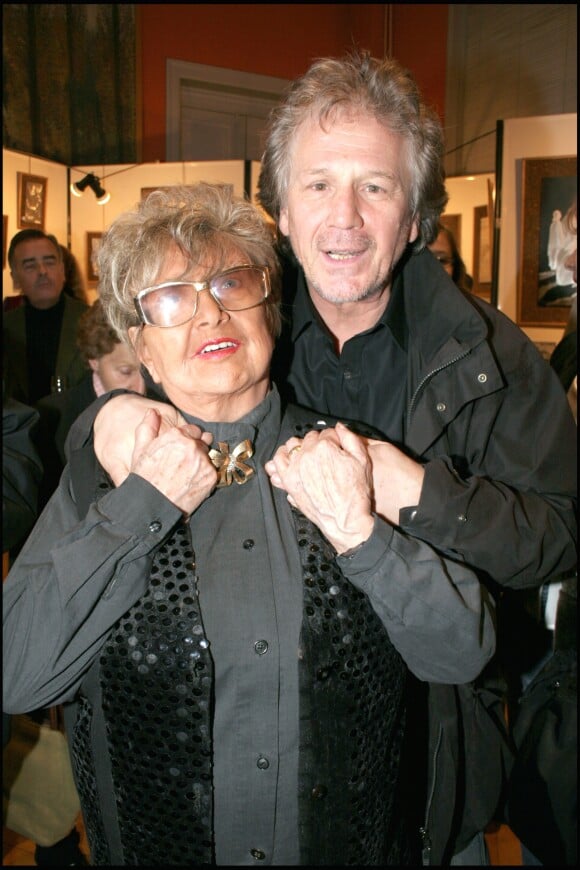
(230,466)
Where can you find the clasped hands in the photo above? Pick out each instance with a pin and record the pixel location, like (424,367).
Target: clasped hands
(337,479)
(153,440)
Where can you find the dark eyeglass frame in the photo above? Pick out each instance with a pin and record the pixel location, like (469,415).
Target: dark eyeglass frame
(199,286)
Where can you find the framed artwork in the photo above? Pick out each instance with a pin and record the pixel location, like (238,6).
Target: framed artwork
(93,244)
(549,236)
(481,252)
(31,201)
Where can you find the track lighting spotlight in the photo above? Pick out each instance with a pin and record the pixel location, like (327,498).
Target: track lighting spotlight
(93,182)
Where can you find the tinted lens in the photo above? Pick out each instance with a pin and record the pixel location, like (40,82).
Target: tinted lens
(170,305)
(237,289)
(174,303)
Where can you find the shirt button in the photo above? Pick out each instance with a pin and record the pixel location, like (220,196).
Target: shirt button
(482,378)
(155,526)
(461,518)
(319,791)
(258,854)
(262,763)
(261,647)
(248,544)
(441,406)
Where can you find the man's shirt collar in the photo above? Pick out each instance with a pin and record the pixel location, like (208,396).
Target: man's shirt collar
(393,317)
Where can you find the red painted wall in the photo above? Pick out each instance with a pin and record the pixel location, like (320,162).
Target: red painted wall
(419,39)
(279,40)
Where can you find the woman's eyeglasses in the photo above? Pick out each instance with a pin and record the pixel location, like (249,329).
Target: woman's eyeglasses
(175,302)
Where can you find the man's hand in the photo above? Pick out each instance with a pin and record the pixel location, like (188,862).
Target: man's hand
(327,475)
(397,479)
(114,430)
(174,461)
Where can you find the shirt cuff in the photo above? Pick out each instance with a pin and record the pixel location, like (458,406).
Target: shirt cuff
(364,558)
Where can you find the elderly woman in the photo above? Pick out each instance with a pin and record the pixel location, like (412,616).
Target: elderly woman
(233,675)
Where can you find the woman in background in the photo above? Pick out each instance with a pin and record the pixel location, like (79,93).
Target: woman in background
(445,249)
(111,365)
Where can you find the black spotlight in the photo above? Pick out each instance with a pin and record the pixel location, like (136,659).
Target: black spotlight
(93,182)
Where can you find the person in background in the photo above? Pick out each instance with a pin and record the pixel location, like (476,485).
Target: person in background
(233,670)
(21,471)
(21,478)
(444,248)
(74,284)
(111,365)
(376,331)
(39,337)
(73,281)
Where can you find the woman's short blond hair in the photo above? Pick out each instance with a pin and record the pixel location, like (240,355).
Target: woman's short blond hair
(207,222)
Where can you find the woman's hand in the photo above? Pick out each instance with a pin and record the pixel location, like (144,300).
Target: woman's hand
(174,461)
(114,431)
(328,476)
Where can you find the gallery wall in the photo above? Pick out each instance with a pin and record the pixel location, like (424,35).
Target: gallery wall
(124,182)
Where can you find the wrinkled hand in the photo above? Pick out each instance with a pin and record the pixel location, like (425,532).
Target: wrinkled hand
(329,478)
(174,461)
(114,431)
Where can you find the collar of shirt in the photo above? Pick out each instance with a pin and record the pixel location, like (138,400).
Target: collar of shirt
(393,317)
(261,426)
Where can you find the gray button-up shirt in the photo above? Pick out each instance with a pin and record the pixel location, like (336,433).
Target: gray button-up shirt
(251,601)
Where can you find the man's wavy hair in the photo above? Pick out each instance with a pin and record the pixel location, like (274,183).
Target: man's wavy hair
(385,90)
(207,222)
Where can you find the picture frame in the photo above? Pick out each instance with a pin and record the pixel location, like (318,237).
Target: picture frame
(545,288)
(482,255)
(31,207)
(93,244)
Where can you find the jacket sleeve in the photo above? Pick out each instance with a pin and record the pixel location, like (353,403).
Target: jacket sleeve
(507,505)
(438,615)
(70,584)
(21,472)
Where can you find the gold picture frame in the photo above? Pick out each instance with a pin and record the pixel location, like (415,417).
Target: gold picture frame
(31,201)
(93,244)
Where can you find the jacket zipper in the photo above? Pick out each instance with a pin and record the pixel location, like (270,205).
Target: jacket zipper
(428,377)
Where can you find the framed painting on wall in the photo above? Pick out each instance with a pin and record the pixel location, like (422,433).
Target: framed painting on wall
(549,237)
(93,245)
(31,201)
